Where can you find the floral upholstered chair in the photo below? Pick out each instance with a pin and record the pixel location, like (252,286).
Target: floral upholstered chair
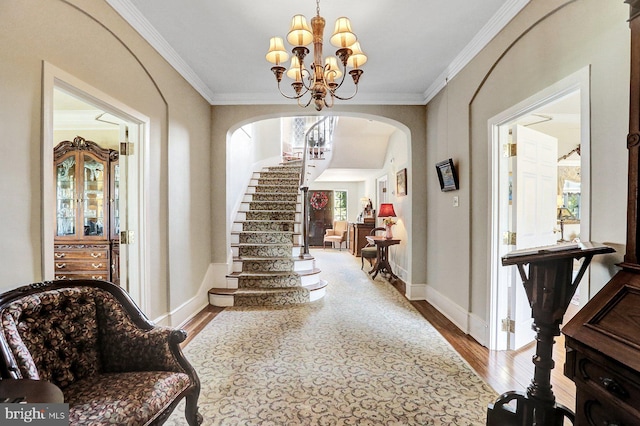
(88,338)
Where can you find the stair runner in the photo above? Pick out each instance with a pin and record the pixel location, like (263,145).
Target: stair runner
(266,242)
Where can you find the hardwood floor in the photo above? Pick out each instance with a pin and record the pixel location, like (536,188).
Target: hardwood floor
(502,370)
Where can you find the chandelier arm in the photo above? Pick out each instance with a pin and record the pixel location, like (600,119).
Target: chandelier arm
(327,104)
(346,99)
(309,78)
(336,87)
(307,104)
(291,97)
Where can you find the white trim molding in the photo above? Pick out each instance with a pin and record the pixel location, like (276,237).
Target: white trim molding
(139,23)
(415,291)
(454,312)
(503,16)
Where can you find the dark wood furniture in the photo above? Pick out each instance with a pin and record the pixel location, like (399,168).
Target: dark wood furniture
(382,260)
(31,391)
(87,222)
(603,339)
(358,236)
(549,286)
(370,251)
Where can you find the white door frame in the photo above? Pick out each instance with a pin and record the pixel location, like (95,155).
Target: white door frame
(578,81)
(52,78)
(382,190)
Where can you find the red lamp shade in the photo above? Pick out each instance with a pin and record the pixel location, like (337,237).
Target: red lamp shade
(386,210)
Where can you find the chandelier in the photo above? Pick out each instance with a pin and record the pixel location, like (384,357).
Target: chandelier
(321,78)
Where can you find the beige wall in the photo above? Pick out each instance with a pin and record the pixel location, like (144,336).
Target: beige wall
(525,58)
(186,163)
(118,62)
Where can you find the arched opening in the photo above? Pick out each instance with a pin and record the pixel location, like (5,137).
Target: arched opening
(365,149)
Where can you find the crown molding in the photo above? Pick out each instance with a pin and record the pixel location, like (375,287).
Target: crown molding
(502,17)
(133,16)
(139,23)
(276,99)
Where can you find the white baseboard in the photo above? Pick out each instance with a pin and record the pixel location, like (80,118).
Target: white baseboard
(479,330)
(415,291)
(455,313)
(467,322)
(217,273)
(214,278)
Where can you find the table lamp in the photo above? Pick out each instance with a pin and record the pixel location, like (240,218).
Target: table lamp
(387,212)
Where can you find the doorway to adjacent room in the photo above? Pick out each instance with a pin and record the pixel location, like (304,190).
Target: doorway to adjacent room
(540,195)
(72,108)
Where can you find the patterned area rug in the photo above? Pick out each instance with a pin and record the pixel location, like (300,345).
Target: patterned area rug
(361,356)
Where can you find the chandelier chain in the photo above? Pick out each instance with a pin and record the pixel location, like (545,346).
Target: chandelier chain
(318,7)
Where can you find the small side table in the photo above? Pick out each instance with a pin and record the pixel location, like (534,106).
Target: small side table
(33,391)
(382,261)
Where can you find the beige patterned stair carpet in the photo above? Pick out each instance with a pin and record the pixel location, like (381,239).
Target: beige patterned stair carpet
(268,234)
(361,356)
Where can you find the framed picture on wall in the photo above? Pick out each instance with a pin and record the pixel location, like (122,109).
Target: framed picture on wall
(401,182)
(447,175)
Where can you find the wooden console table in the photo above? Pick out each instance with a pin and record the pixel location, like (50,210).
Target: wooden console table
(382,260)
(549,287)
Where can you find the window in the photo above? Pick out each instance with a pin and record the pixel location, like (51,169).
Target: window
(339,205)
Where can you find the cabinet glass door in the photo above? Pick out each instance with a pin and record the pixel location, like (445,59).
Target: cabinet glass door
(93,197)
(66,208)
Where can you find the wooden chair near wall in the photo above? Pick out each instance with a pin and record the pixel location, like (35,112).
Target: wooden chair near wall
(370,251)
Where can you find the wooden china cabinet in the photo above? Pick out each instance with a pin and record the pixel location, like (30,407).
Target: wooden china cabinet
(86,243)
(603,339)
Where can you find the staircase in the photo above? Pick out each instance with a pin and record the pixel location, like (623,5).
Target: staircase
(266,240)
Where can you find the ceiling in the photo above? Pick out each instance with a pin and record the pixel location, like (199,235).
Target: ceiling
(414,47)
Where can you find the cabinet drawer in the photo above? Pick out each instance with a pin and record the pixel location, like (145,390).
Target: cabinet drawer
(81,276)
(88,254)
(591,410)
(620,384)
(82,266)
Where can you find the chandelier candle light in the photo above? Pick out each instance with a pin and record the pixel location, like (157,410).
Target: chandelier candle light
(320,79)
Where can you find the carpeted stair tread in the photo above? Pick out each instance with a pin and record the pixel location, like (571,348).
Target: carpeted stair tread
(267,221)
(290,188)
(273,273)
(284,203)
(257,258)
(266,245)
(252,291)
(266,211)
(265,232)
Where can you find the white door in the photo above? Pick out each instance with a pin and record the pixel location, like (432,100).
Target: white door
(534,214)
(128,213)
